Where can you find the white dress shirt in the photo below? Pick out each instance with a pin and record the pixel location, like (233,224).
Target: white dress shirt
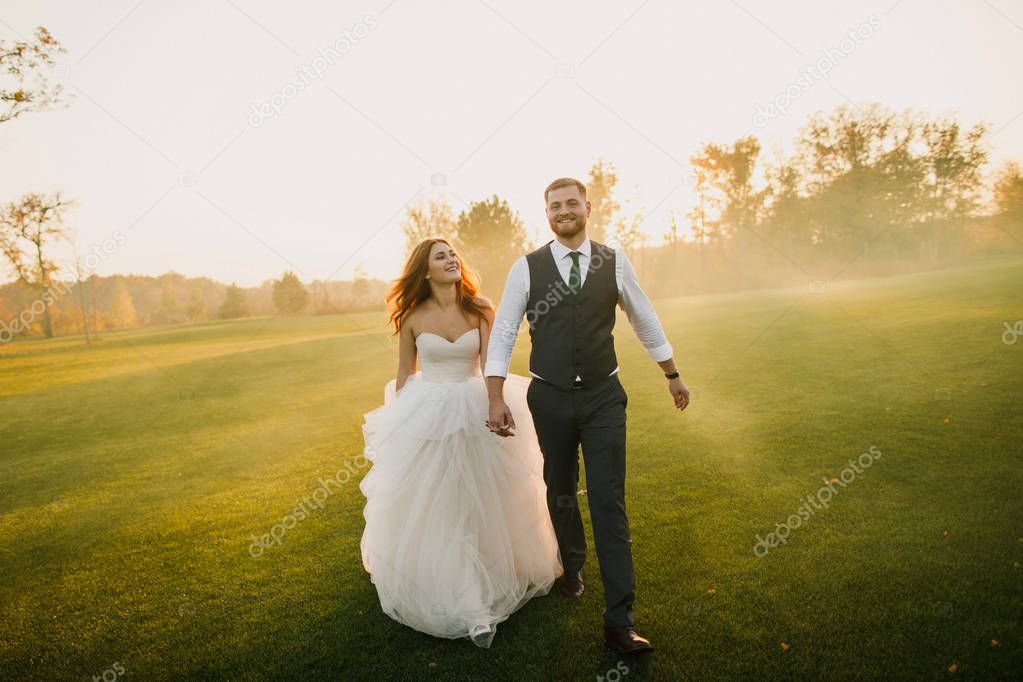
(631,299)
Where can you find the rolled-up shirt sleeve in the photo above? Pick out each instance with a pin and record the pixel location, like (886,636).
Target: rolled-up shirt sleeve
(507,320)
(633,300)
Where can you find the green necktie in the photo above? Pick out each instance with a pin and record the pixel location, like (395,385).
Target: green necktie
(574,280)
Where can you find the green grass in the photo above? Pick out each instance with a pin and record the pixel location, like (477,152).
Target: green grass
(135,472)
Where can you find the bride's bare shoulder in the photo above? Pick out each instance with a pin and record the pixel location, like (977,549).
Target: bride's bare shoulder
(411,321)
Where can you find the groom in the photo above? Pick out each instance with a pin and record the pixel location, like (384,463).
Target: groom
(568,290)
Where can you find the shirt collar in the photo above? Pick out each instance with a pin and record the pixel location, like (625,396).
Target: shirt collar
(560,251)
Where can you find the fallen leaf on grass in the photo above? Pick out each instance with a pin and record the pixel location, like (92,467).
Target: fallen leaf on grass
(995,642)
(712,591)
(954,667)
(947,420)
(785,646)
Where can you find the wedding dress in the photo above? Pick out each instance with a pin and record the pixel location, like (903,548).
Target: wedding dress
(458,535)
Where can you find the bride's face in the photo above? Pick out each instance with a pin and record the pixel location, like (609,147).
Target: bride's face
(445,267)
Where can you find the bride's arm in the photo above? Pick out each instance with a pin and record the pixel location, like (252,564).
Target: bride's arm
(406,355)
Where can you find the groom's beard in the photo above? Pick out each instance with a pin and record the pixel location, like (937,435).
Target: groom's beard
(568,229)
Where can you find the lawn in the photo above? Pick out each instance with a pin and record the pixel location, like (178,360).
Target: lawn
(136,472)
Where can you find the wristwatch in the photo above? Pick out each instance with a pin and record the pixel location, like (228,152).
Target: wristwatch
(673,375)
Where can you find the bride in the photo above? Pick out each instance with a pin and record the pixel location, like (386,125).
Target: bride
(458,535)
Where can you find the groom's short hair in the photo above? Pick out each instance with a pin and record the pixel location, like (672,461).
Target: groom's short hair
(564,182)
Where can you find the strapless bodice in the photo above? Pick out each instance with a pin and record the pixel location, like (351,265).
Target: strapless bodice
(443,360)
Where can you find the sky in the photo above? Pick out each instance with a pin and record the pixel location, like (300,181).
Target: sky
(237,139)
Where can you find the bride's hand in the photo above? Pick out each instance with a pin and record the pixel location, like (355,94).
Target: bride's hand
(501,421)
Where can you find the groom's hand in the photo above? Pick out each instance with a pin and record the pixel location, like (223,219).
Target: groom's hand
(680,392)
(501,421)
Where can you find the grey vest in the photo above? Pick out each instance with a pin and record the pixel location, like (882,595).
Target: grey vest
(571,333)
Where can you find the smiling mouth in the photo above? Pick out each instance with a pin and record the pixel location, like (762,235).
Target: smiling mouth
(566,220)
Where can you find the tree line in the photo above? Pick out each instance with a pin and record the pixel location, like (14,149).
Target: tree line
(865,191)
(96,304)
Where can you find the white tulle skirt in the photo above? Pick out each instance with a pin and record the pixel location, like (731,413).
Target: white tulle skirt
(458,536)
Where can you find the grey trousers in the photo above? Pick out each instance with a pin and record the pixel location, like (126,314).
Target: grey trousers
(593,417)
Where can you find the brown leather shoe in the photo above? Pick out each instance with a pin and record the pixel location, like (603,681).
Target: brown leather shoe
(571,585)
(624,640)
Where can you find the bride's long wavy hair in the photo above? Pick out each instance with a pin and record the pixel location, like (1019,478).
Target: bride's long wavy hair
(412,288)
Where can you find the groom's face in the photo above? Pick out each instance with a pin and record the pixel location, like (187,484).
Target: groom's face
(567,211)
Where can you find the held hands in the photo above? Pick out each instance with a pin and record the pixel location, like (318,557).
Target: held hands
(501,421)
(679,391)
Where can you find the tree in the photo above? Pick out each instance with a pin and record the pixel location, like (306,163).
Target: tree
(490,236)
(82,305)
(699,225)
(25,86)
(196,309)
(954,158)
(426,219)
(26,66)
(170,310)
(727,171)
(28,229)
(953,162)
(122,311)
(671,236)
(785,223)
(899,194)
(603,207)
(838,156)
(1008,194)
(360,288)
(289,296)
(235,305)
(864,170)
(625,233)
(319,297)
